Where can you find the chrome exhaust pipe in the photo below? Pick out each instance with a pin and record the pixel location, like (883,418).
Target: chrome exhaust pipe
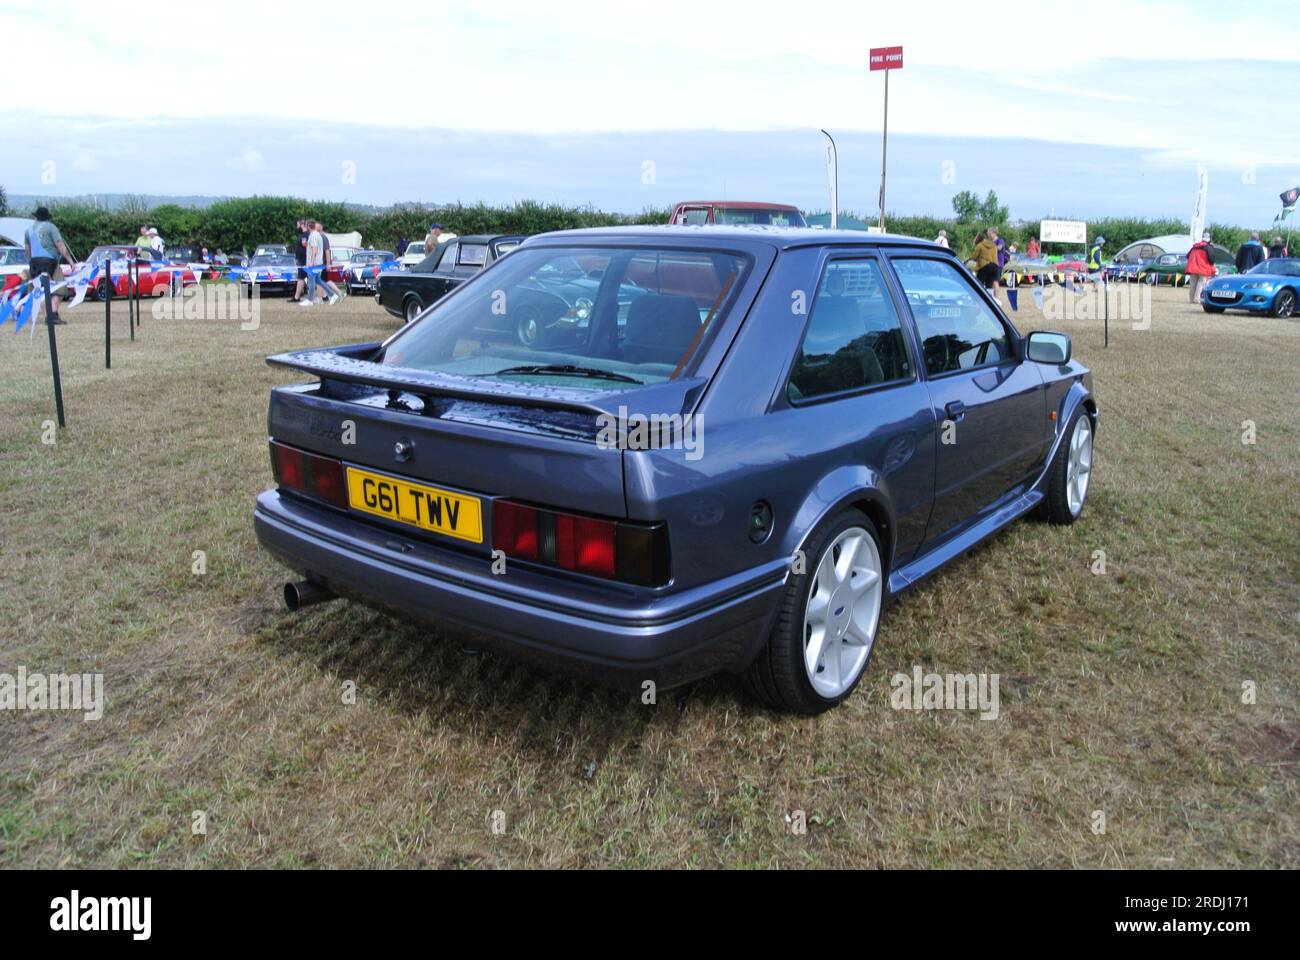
(305,593)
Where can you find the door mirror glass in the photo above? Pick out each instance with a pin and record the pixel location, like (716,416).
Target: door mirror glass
(1045,346)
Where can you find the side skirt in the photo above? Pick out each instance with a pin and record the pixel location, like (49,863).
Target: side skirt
(917,570)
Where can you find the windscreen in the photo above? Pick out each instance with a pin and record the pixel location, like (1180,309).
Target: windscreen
(595,317)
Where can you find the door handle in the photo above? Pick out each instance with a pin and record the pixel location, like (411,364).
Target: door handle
(956,410)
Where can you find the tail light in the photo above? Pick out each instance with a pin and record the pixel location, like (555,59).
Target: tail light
(612,549)
(309,474)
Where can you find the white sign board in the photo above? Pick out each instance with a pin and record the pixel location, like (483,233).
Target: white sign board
(1063,231)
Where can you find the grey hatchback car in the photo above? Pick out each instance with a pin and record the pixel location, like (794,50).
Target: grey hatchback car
(727,455)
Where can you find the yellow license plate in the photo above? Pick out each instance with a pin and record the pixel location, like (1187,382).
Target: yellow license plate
(428,508)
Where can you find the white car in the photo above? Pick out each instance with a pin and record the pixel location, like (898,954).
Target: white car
(413,255)
(13,261)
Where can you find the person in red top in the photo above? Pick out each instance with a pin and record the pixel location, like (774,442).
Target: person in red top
(1199,267)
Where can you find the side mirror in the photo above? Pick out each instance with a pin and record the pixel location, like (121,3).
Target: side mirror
(1046,346)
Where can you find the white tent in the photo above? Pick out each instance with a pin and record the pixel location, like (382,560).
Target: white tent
(352,239)
(14,229)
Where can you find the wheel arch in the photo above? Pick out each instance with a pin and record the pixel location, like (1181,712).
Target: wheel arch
(851,487)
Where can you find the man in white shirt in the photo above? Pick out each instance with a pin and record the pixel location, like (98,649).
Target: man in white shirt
(156,242)
(315,259)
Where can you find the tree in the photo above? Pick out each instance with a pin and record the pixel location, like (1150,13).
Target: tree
(970,208)
(967,207)
(991,212)
(4,203)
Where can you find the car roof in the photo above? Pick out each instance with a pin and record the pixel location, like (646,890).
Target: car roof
(779,237)
(748,204)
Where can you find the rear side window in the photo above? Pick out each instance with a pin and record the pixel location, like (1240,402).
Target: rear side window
(958,330)
(472,255)
(854,337)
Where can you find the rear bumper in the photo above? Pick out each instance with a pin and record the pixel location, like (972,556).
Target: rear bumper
(608,635)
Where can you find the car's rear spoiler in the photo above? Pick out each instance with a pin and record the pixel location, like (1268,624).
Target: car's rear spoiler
(348,364)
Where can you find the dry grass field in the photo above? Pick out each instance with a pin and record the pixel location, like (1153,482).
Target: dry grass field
(1121,691)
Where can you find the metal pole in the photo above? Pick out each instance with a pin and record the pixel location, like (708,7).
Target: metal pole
(108,313)
(54,349)
(884,153)
(1105,299)
(130,300)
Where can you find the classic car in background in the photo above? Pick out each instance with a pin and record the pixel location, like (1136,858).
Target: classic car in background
(407,293)
(414,255)
(340,260)
(1172,267)
(13,261)
(264,249)
(270,273)
(363,270)
(736,213)
(1270,287)
(150,271)
(630,560)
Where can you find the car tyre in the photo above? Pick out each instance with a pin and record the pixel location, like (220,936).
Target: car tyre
(103,290)
(412,309)
(1071,472)
(528,326)
(837,600)
(1284,304)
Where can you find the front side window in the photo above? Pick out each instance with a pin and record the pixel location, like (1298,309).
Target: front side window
(602,318)
(958,330)
(854,337)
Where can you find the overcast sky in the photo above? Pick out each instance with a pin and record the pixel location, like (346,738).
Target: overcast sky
(626,105)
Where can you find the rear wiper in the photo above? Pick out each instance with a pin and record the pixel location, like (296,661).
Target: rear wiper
(569,369)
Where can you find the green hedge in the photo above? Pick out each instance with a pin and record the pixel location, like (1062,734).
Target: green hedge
(233,225)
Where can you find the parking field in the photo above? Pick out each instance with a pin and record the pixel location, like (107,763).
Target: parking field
(1121,689)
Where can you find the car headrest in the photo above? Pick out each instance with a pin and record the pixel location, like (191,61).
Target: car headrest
(660,328)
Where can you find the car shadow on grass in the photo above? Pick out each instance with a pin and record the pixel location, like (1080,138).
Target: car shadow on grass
(448,676)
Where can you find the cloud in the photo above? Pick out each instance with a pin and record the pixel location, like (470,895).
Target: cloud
(250,161)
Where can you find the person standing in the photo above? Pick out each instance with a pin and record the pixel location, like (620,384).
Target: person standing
(1200,266)
(942,239)
(1094,258)
(300,258)
(1250,253)
(1032,249)
(1277,248)
(142,241)
(431,238)
(315,258)
(1002,258)
(44,245)
(156,242)
(986,261)
(331,291)
(402,245)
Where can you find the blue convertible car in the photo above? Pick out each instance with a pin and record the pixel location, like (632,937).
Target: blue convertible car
(731,470)
(1268,287)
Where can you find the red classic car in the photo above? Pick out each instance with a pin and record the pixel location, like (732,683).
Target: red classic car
(155,273)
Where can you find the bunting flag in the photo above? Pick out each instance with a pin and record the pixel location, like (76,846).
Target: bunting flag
(1038,297)
(25,311)
(1013,297)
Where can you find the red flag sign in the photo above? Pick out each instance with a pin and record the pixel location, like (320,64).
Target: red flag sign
(887,58)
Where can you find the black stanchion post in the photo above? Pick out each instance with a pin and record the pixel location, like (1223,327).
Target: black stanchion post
(1105,298)
(54,348)
(135,295)
(108,313)
(130,301)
